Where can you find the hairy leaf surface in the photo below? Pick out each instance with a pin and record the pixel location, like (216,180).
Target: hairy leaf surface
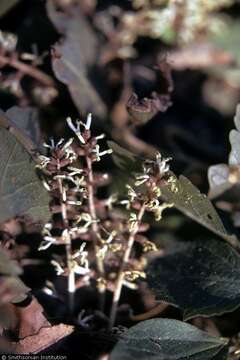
(165,339)
(189,200)
(202,278)
(26,119)
(21,191)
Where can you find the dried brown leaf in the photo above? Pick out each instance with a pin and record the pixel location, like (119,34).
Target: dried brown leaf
(30,319)
(143,110)
(45,338)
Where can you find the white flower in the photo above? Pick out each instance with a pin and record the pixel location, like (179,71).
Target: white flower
(131,193)
(89,121)
(99,153)
(162,163)
(141,179)
(76,129)
(58,267)
(52,145)
(44,161)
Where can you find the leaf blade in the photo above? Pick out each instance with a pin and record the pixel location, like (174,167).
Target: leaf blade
(21,191)
(205,281)
(162,339)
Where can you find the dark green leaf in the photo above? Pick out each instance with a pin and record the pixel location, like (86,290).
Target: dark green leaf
(6,5)
(202,278)
(21,191)
(165,339)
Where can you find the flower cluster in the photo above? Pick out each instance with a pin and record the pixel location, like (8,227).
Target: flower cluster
(98,235)
(70,188)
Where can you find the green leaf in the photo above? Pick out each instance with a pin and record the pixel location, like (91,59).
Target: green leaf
(165,339)
(6,5)
(190,201)
(7,266)
(73,58)
(26,120)
(8,318)
(202,278)
(12,289)
(21,191)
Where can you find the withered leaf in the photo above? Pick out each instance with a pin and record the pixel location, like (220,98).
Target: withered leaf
(143,110)
(30,319)
(46,337)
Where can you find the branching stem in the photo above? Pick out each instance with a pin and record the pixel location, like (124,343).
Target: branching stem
(126,257)
(27,70)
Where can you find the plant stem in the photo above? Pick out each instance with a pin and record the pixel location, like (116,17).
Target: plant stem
(95,228)
(68,247)
(126,257)
(27,70)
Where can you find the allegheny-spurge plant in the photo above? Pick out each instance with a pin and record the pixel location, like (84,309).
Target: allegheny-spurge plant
(106,251)
(108,246)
